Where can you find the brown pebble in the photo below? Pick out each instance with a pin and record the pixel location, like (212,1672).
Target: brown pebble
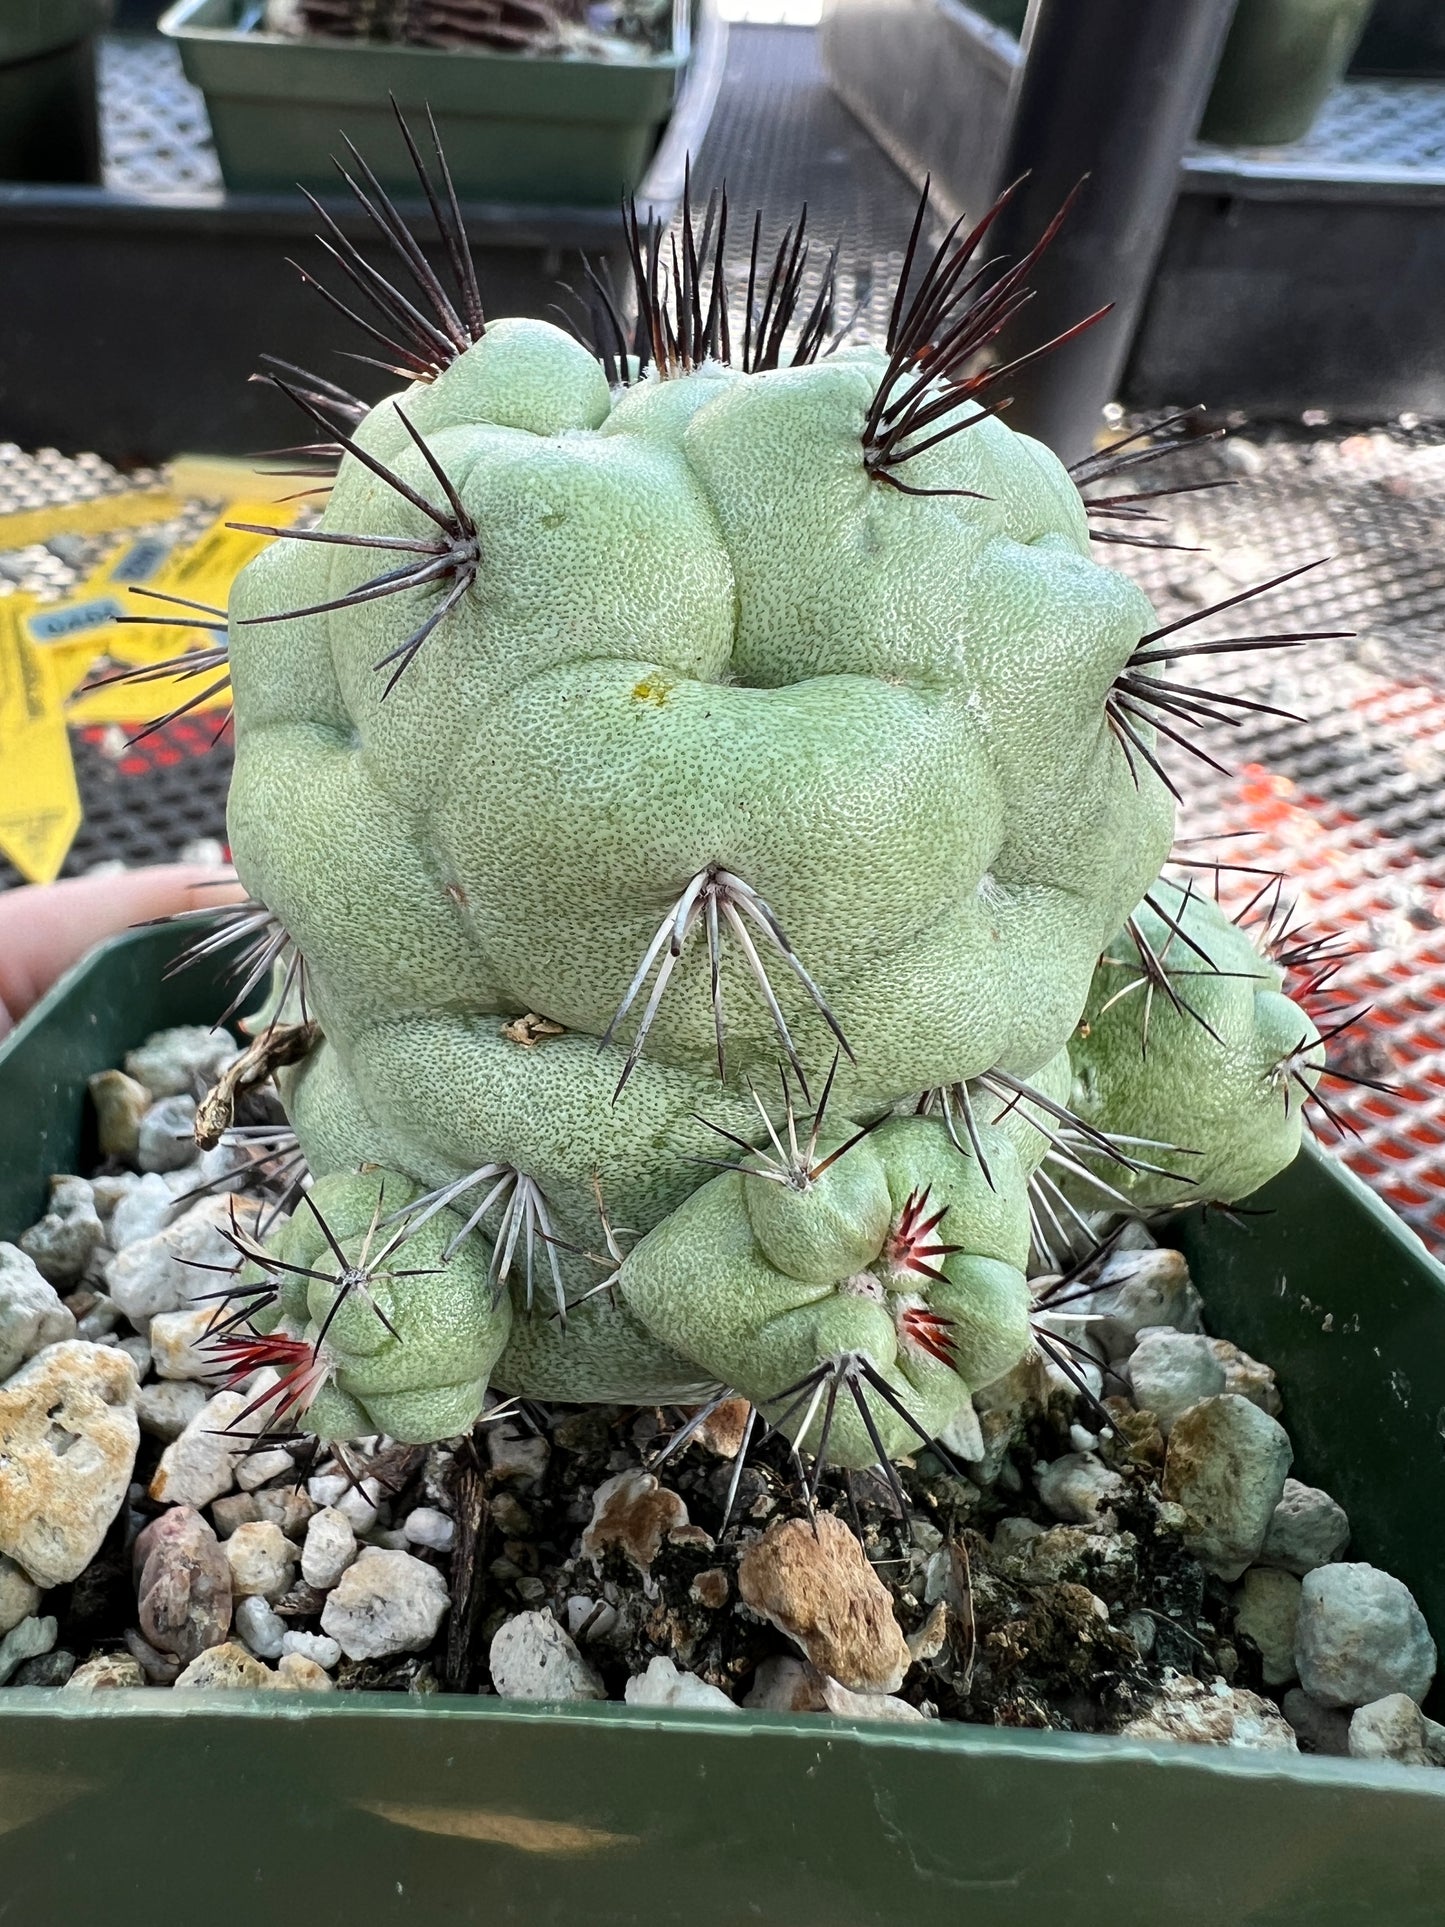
(235,1510)
(634,1514)
(711,1588)
(815,1585)
(183,1584)
(722,1430)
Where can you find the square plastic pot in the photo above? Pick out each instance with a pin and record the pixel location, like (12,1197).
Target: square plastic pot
(371,1809)
(515,128)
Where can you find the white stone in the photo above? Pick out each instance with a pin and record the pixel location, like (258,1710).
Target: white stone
(19,1594)
(138,1351)
(589,1619)
(106,1672)
(201,1464)
(531,1658)
(663,1685)
(143,1212)
(1137,1289)
(360,1503)
(68,1441)
(428,1527)
(329,1548)
(1266,1610)
(259,1468)
(1307,1529)
(28,1640)
(313,1646)
(171,1062)
(31,1314)
(1212,1713)
(185,1262)
(962,1437)
(109,1191)
(1169,1371)
(229,1667)
(514,1454)
(166,1138)
(167,1407)
(785,1685)
(385,1602)
(1248,1377)
(261,1628)
(262,1560)
(298,1674)
(180,1343)
(62,1242)
(1394,1728)
(1078,1488)
(1361,1637)
(99,1322)
(286,1507)
(1226,1466)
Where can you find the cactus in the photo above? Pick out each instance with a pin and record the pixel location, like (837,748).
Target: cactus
(637,726)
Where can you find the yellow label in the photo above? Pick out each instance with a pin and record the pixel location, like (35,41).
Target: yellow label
(39,801)
(85,627)
(96,515)
(220,478)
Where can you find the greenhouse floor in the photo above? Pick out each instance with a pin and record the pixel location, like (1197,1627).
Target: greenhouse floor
(1344,794)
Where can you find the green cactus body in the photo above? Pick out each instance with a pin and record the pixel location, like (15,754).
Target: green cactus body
(404,1336)
(702,736)
(1204,1079)
(902,1251)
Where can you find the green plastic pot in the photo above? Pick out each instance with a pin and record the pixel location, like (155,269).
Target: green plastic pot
(1281,59)
(48,125)
(370,1810)
(515,128)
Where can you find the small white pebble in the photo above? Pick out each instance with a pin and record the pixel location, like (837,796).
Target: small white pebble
(258,1468)
(262,1559)
(261,1629)
(663,1685)
(315,1646)
(329,1548)
(589,1619)
(358,1503)
(428,1527)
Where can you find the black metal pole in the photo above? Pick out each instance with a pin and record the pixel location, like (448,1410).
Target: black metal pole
(1111,89)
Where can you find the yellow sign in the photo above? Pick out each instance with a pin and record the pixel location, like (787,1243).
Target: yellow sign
(47,650)
(96,515)
(39,801)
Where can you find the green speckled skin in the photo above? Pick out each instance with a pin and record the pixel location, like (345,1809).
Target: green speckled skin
(761,1325)
(424,1379)
(700,634)
(1218,1093)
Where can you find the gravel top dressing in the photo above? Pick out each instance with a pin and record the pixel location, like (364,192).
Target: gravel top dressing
(1115,1547)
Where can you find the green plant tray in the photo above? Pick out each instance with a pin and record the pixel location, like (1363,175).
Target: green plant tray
(371,1810)
(577,132)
